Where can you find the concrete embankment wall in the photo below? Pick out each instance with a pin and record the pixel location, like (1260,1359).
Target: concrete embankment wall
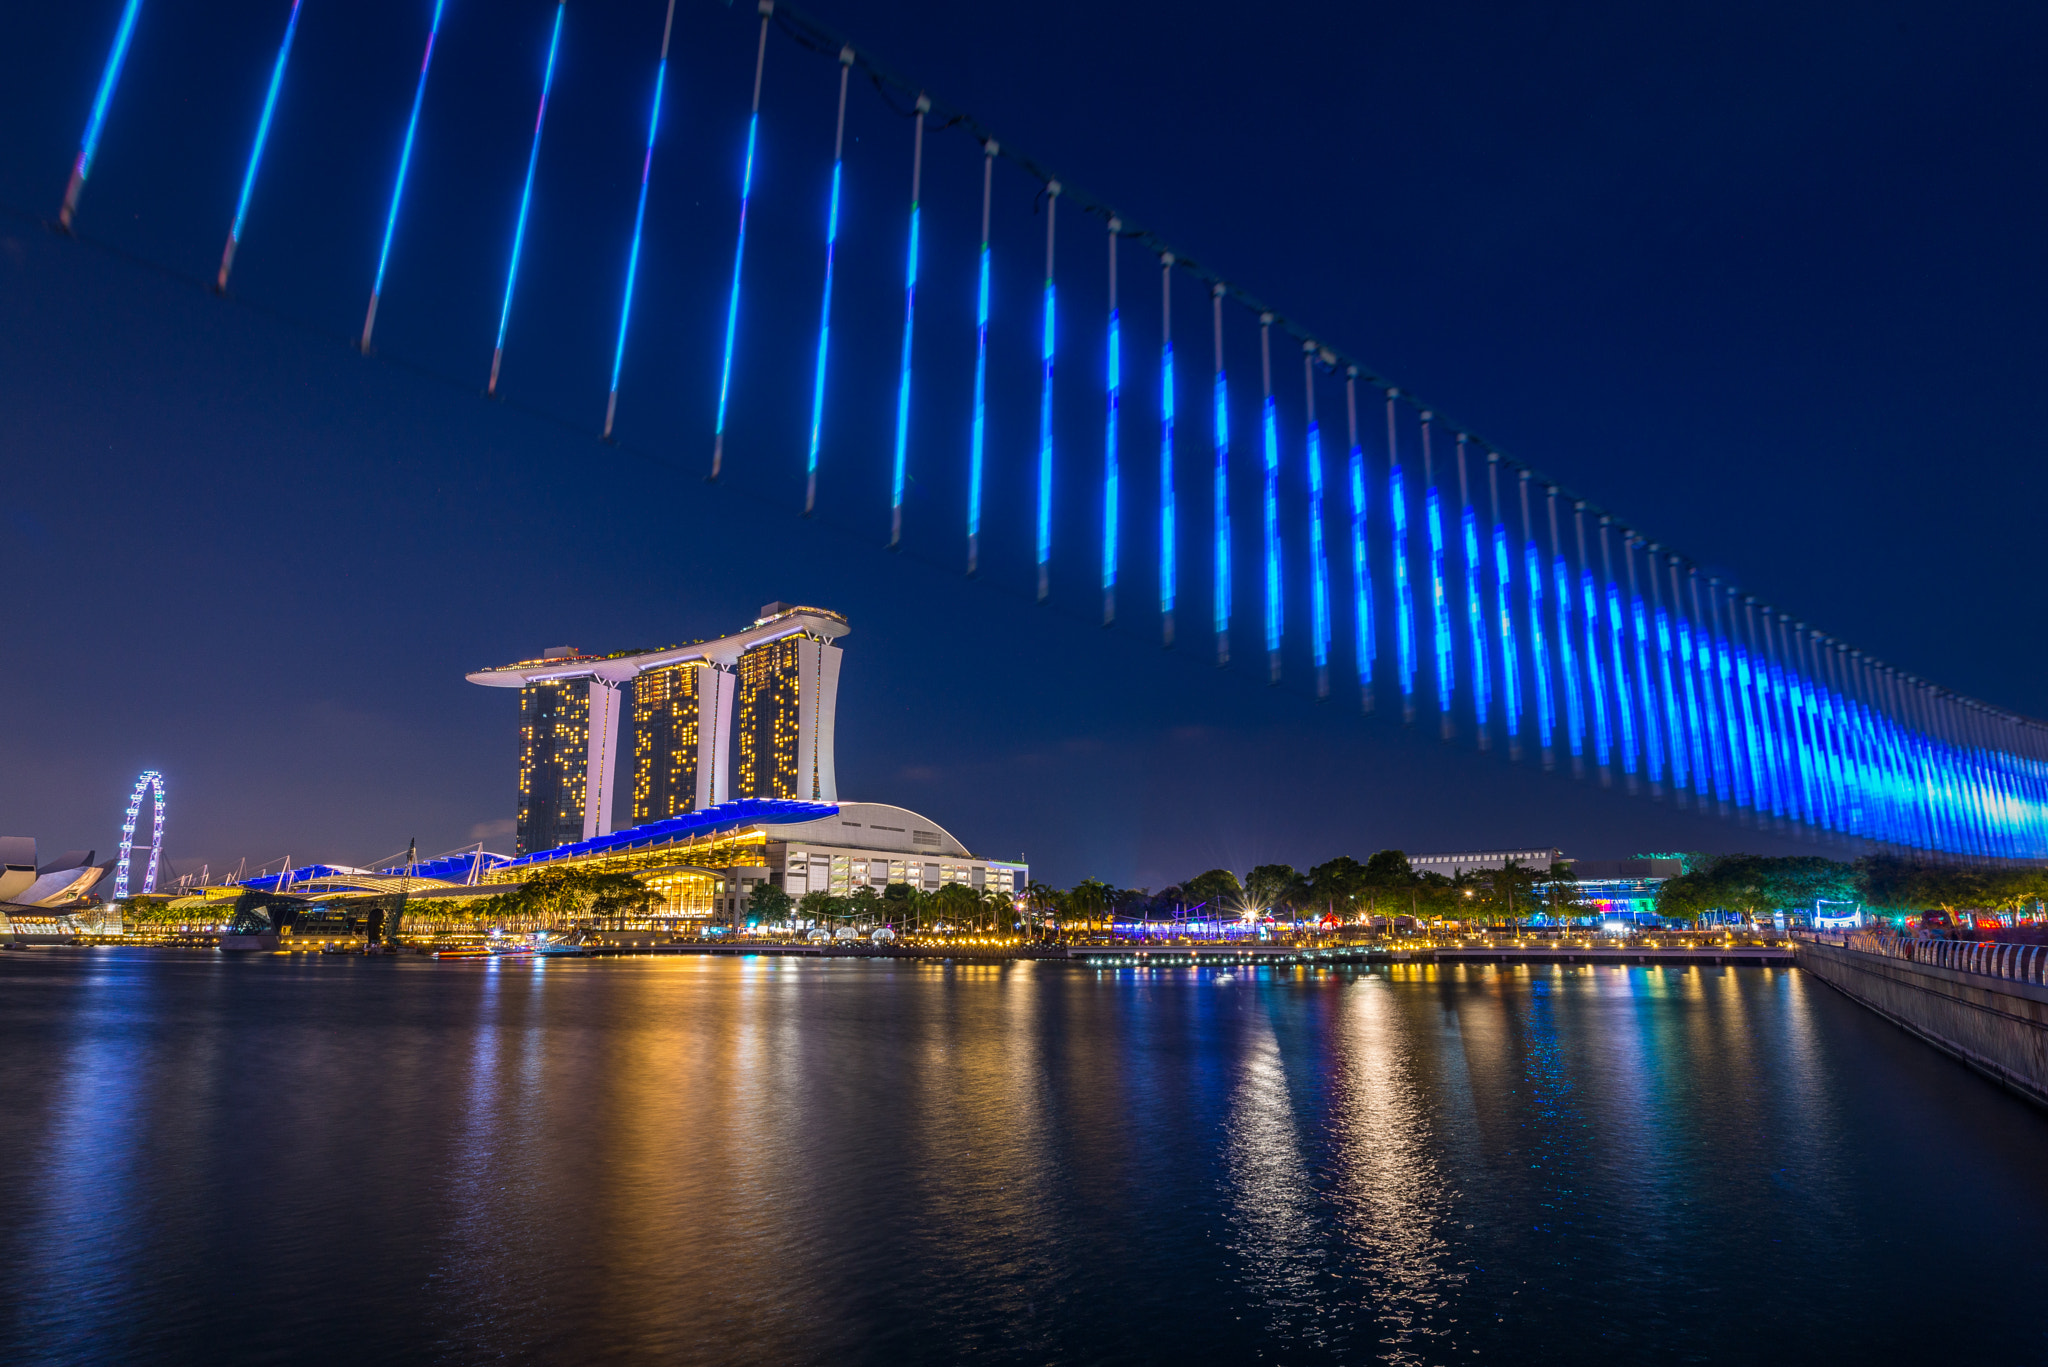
(1996,1026)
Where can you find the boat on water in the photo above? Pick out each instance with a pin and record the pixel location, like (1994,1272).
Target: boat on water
(508,950)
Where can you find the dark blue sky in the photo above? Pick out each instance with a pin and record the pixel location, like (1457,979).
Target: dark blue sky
(1763,281)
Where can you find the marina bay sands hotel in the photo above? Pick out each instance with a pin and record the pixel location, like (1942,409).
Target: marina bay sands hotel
(776,685)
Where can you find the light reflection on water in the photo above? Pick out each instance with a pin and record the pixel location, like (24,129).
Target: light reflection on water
(763,1160)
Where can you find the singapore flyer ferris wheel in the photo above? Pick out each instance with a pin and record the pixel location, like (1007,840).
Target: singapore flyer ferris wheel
(150,779)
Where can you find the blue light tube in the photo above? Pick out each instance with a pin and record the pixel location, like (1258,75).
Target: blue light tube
(1052,204)
(89,145)
(1760,796)
(1404,607)
(1702,771)
(824,327)
(1624,692)
(1269,425)
(1510,666)
(1440,606)
(1567,664)
(900,466)
(1845,744)
(1319,567)
(1720,722)
(979,434)
(739,250)
(732,307)
(1646,688)
(1733,738)
(1798,731)
(1770,744)
(1361,574)
(1045,448)
(1827,768)
(1475,615)
(1596,687)
(639,218)
(1168,530)
(1674,709)
(1785,718)
(1779,754)
(547,82)
(1539,652)
(1222,511)
(284,52)
(1756,696)
(1111,475)
(412,124)
(1826,774)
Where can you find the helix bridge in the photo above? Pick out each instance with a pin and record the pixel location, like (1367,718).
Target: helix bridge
(1420,569)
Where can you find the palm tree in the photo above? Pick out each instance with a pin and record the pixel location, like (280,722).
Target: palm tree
(1090,898)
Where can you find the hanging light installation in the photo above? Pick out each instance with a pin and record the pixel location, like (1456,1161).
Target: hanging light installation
(898,469)
(1318,562)
(1439,602)
(739,250)
(1269,429)
(1221,422)
(412,124)
(1503,615)
(978,432)
(1404,604)
(825,305)
(1624,702)
(1361,567)
(1052,204)
(547,82)
(1168,511)
(611,405)
(1475,615)
(1539,655)
(89,145)
(1111,476)
(284,53)
(1589,626)
(1567,666)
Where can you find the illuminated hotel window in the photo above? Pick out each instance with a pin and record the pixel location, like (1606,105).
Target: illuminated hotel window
(665,733)
(554,739)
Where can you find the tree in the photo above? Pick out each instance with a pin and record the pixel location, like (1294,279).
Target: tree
(1562,898)
(1509,891)
(820,906)
(1089,899)
(865,906)
(1387,878)
(956,902)
(1275,888)
(1045,902)
(1000,905)
(1218,889)
(618,895)
(1755,885)
(770,903)
(1337,886)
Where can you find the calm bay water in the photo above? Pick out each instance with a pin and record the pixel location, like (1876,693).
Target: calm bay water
(216,1160)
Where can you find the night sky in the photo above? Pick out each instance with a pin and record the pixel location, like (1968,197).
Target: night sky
(1765,281)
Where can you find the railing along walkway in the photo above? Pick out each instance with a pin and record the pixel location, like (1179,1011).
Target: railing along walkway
(1990,958)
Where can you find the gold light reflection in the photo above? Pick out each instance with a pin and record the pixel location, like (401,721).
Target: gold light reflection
(1273,1206)
(1391,1193)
